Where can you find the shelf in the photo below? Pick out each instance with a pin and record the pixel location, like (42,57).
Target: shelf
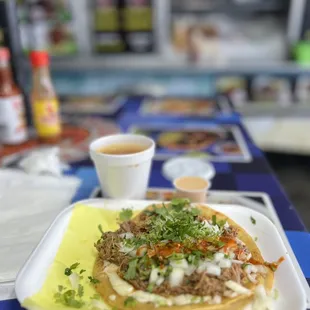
(223,6)
(168,65)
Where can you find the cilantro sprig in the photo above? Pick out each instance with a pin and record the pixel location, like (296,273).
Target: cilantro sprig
(130,302)
(176,222)
(93,280)
(68,271)
(125,215)
(132,268)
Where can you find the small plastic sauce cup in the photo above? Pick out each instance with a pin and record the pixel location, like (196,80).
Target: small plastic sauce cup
(191,187)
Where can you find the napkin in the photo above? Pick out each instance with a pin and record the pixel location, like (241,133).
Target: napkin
(28,205)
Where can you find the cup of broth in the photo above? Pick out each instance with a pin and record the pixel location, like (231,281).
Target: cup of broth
(123,164)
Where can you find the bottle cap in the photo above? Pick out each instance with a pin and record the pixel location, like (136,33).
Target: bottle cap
(39,58)
(4,53)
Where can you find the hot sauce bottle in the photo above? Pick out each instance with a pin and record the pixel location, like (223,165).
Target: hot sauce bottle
(45,105)
(12,111)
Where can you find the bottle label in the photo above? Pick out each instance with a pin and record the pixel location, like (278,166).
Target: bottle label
(46,117)
(12,120)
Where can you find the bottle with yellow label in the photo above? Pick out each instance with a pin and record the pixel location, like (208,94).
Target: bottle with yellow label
(45,105)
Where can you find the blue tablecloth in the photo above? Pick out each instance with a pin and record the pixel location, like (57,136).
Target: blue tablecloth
(253,176)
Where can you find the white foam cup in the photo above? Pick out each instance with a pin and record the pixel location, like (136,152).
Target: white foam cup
(123,176)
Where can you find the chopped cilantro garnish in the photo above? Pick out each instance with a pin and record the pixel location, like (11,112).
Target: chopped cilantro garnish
(93,280)
(95,296)
(82,271)
(169,224)
(100,229)
(132,269)
(179,203)
(68,271)
(130,302)
(74,266)
(220,244)
(68,298)
(150,287)
(194,257)
(221,223)
(80,291)
(125,215)
(213,219)
(253,220)
(226,256)
(60,288)
(255,239)
(244,265)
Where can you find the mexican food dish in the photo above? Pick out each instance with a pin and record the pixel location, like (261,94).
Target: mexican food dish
(177,255)
(175,106)
(185,140)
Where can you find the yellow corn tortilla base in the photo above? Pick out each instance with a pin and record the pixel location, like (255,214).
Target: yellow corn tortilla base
(105,289)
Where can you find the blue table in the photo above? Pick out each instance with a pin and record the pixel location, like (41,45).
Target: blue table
(253,176)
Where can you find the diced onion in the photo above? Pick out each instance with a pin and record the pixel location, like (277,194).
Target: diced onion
(159,281)
(262,300)
(203,265)
(176,277)
(252,278)
(226,225)
(154,275)
(180,263)
(232,255)
(240,262)
(250,269)
(125,249)
(74,280)
(213,270)
(260,292)
(218,256)
(182,300)
(239,289)
(98,304)
(190,270)
(261,269)
(112,297)
(127,235)
(216,300)
(225,263)
(206,298)
(230,294)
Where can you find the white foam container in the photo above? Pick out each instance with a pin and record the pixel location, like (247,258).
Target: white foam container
(291,294)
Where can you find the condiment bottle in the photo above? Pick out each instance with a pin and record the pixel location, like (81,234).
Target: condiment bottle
(45,105)
(12,111)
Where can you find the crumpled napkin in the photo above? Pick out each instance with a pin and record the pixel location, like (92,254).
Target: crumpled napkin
(43,161)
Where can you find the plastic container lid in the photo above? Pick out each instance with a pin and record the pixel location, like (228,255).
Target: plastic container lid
(4,53)
(187,166)
(39,58)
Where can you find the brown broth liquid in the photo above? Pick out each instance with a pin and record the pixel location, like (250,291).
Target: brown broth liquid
(122,149)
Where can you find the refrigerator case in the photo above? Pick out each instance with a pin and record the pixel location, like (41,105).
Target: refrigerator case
(47,25)
(123,26)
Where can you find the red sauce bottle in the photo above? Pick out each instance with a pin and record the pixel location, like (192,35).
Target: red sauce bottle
(13,128)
